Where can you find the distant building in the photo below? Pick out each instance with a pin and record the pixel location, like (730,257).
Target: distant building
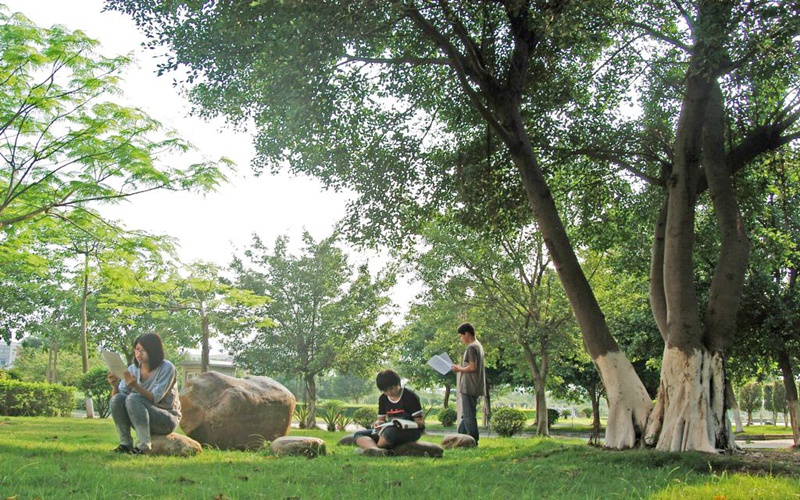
(217,363)
(8,353)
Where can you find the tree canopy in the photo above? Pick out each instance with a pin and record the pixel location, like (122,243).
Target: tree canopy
(395,101)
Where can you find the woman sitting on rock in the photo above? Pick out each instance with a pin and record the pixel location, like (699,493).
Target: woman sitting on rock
(147,399)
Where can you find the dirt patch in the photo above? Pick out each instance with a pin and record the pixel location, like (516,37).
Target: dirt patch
(772,462)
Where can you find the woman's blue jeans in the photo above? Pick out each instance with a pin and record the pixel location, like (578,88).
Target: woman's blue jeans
(135,411)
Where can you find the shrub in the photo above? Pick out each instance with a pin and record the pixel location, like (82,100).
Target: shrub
(507,421)
(447,416)
(365,416)
(301,412)
(587,412)
(9,375)
(35,399)
(552,416)
(95,384)
(331,413)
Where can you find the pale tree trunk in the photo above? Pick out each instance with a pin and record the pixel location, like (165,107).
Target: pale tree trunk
(204,349)
(84,324)
(311,395)
(785,365)
(447,390)
(51,374)
(734,405)
(539,377)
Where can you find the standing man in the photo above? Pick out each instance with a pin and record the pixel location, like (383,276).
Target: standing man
(471,380)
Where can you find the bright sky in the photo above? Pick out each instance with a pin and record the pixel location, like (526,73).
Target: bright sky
(208,228)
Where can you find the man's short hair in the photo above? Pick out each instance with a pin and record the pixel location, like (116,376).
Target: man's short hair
(386,380)
(466,328)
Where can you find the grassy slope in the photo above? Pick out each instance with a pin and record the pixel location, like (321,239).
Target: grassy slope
(51,458)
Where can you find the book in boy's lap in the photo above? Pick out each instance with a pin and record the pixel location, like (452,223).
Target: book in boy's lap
(400,423)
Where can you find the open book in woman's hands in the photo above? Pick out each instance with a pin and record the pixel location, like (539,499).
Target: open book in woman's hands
(400,423)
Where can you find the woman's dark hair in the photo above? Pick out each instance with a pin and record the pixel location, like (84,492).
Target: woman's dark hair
(386,380)
(151,343)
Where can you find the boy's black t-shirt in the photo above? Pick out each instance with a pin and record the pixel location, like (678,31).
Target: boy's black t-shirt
(407,407)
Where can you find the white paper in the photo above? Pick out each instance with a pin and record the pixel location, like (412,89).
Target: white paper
(115,364)
(441,363)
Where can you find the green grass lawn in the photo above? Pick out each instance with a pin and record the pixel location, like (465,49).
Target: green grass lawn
(54,458)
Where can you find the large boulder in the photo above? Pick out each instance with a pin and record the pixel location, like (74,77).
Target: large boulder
(174,445)
(233,413)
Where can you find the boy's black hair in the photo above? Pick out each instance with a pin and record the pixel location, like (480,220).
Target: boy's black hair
(466,328)
(386,380)
(152,344)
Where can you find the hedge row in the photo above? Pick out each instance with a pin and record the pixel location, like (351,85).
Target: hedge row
(35,399)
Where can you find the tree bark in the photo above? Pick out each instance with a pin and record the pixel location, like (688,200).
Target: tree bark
(204,348)
(311,395)
(89,404)
(594,395)
(731,398)
(539,373)
(785,365)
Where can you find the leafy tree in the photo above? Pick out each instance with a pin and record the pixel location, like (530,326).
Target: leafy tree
(769,316)
(506,274)
(190,309)
(751,397)
(326,316)
(32,364)
(64,145)
(526,76)
(428,331)
(346,387)
(778,402)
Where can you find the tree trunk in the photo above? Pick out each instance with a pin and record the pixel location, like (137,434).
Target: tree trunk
(311,395)
(784,363)
(690,412)
(447,390)
(594,395)
(84,340)
(731,397)
(628,401)
(539,378)
(486,409)
(204,349)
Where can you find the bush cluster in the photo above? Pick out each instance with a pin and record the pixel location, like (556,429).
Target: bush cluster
(447,416)
(507,421)
(35,399)
(365,416)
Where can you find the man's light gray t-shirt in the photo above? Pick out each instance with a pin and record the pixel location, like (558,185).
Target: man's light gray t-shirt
(473,383)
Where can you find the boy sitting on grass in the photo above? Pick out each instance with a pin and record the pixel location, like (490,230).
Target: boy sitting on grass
(396,402)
